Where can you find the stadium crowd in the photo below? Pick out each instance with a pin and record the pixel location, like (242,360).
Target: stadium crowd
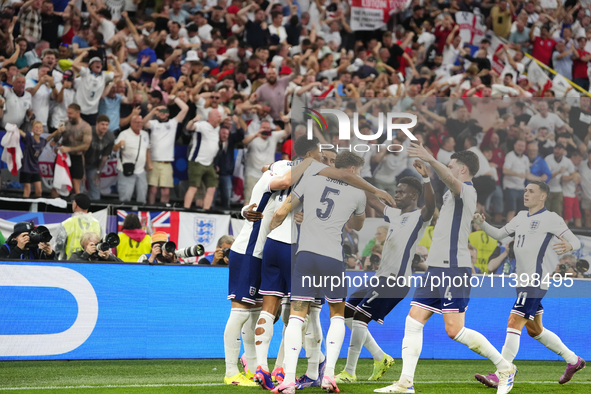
(95,77)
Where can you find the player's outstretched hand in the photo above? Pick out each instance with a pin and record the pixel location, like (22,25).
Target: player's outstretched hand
(421,168)
(298,217)
(417,150)
(252,215)
(479,219)
(385,196)
(562,247)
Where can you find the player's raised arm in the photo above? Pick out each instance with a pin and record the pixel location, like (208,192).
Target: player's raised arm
(285,208)
(416,150)
(357,182)
(429,208)
(492,231)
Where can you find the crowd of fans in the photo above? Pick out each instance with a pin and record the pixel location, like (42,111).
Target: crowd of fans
(95,77)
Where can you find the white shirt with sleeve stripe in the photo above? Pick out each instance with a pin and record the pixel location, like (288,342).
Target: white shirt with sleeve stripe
(404,234)
(534,237)
(449,248)
(287,231)
(328,206)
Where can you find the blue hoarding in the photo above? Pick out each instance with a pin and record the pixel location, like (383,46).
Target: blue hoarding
(108,311)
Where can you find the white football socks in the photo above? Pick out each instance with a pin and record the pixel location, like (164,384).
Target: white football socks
(370,343)
(313,342)
(248,339)
(511,346)
(412,344)
(281,352)
(334,341)
(358,335)
(293,346)
(232,339)
(553,342)
(480,345)
(262,336)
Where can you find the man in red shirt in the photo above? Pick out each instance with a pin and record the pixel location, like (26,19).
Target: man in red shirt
(580,59)
(543,45)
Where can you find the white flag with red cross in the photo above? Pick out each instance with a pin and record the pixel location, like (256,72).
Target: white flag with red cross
(472,27)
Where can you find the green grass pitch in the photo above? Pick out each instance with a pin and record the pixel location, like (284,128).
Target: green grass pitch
(205,376)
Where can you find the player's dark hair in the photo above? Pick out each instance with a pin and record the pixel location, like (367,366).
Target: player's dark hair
(544,188)
(333,150)
(303,145)
(469,159)
(414,183)
(348,159)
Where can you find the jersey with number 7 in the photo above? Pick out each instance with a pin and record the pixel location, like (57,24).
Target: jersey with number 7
(328,204)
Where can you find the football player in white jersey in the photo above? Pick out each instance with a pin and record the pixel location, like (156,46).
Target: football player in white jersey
(328,205)
(244,281)
(245,273)
(277,256)
(448,257)
(407,227)
(533,230)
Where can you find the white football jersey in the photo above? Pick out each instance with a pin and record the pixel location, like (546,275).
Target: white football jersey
(250,241)
(449,248)
(328,205)
(534,238)
(404,234)
(287,231)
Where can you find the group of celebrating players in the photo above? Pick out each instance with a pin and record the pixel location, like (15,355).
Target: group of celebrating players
(292,241)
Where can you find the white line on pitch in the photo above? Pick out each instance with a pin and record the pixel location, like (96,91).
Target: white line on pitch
(222,384)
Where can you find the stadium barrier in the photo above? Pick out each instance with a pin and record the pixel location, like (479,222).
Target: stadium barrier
(134,311)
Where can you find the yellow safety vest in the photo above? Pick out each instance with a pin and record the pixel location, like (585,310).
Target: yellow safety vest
(130,250)
(485,246)
(76,227)
(427,238)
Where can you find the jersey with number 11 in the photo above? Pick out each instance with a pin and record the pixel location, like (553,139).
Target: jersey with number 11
(328,204)
(534,237)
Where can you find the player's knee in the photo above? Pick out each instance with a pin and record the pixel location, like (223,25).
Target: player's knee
(534,331)
(452,330)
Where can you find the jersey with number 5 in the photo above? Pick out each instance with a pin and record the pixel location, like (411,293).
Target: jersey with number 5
(328,204)
(534,238)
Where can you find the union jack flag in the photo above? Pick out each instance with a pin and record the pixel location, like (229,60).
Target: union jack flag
(167,221)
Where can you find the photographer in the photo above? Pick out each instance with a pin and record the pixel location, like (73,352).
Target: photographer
(567,267)
(372,263)
(90,252)
(503,263)
(23,243)
(222,250)
(158,254)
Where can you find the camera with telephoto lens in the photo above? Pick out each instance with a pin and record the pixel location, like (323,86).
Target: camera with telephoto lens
(374,259)
(226,252)
(110,241)
(37,235)
(582,266)
(191,251)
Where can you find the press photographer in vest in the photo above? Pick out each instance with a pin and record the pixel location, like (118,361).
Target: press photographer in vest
(28,242)
(71,230)
(93,249)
